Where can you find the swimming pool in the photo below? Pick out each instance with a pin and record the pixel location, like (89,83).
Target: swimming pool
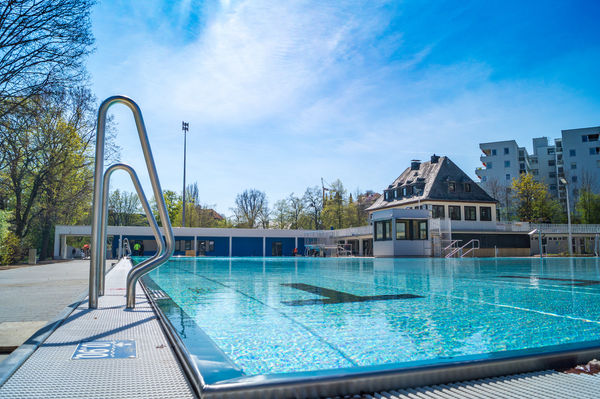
(245,319)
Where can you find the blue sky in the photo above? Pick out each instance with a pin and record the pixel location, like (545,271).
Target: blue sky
(281,93)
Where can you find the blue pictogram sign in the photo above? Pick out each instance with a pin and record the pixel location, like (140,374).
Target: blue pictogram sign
(115,349)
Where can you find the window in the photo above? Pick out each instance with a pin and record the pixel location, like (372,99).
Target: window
(421,229)
(552,175)
(522,166)
(437,211)
(598,163)
(386,195)
(470,213)
(553,187)
(574,179)
(551,162)
(573,165)
(485,213)
(592,137)
(467,187)
(584,139)
(507,164)
(454,212)
(401,229)
(484,178)
(508,176)
(535,172)
(488,165)
(383,230)
(451,186)
(594,150)
(572,153)
(493,152)
(398,193)
(505,150)
(277,248)
(550,151)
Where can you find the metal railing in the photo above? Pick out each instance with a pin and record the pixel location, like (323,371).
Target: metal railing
(450,247)
(459,249)
(126,249)
(165,248)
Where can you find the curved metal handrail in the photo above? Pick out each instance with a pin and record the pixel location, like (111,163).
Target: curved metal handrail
(97,218)
(145,205)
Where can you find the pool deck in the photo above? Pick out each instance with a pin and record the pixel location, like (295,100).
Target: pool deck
(48,370)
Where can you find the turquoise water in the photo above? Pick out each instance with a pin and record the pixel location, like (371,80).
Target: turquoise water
(282,315)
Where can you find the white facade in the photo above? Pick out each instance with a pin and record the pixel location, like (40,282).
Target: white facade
(575,157)
(502,161)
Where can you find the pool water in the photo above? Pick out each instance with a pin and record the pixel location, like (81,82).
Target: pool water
(289,315)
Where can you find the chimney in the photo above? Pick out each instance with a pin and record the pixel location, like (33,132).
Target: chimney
(415,164)
(435,158)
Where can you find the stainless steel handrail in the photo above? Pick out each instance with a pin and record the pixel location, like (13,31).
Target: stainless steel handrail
(97,218)
(145,205)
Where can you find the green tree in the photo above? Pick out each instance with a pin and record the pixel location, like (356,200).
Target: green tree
(588,207)
(124,208)
(533,200)
(251,209)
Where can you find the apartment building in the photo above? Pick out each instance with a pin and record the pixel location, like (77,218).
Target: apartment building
(574,157)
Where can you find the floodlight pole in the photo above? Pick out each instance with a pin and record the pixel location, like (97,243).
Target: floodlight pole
(185,127)
(566,184)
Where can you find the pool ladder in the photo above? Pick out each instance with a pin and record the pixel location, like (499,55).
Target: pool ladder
(165,248)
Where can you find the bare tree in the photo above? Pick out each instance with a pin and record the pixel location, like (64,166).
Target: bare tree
(43,44)
(251,206)
(296,209)
(313,200)
(280,214)
(123,208)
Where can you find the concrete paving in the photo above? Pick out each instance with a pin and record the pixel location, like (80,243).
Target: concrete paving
(31,296)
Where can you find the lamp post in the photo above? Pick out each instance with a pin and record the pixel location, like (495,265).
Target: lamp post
(185,127)
(566,184)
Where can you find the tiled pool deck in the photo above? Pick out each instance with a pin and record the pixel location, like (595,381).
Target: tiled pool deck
(50,371)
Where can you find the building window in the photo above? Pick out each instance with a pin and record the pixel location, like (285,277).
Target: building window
(484,178)
(470,213)
(573,165)
(584,138)
(437,211)
(551,162)
(507,164)
(598,163)
(552,175)
(522,166)
(488,165)
(535,172)
(398,193)
(508,176)
(383,230)
(572,153)
(505,150)
(420,229)
(550,151)
(485,213)
(493,152)
(574,179)
(592,137)
(467,187)
(401,229)
(451,187)
(553,187)
(454,212)
(594,150)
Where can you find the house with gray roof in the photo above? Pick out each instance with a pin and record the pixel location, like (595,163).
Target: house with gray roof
(440,186)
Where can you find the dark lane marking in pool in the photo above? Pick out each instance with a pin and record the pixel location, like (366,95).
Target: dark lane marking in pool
(333,296)
(574,282)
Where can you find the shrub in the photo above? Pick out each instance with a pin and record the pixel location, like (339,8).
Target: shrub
(10,249)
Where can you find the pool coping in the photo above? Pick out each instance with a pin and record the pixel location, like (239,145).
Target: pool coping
(370,379)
